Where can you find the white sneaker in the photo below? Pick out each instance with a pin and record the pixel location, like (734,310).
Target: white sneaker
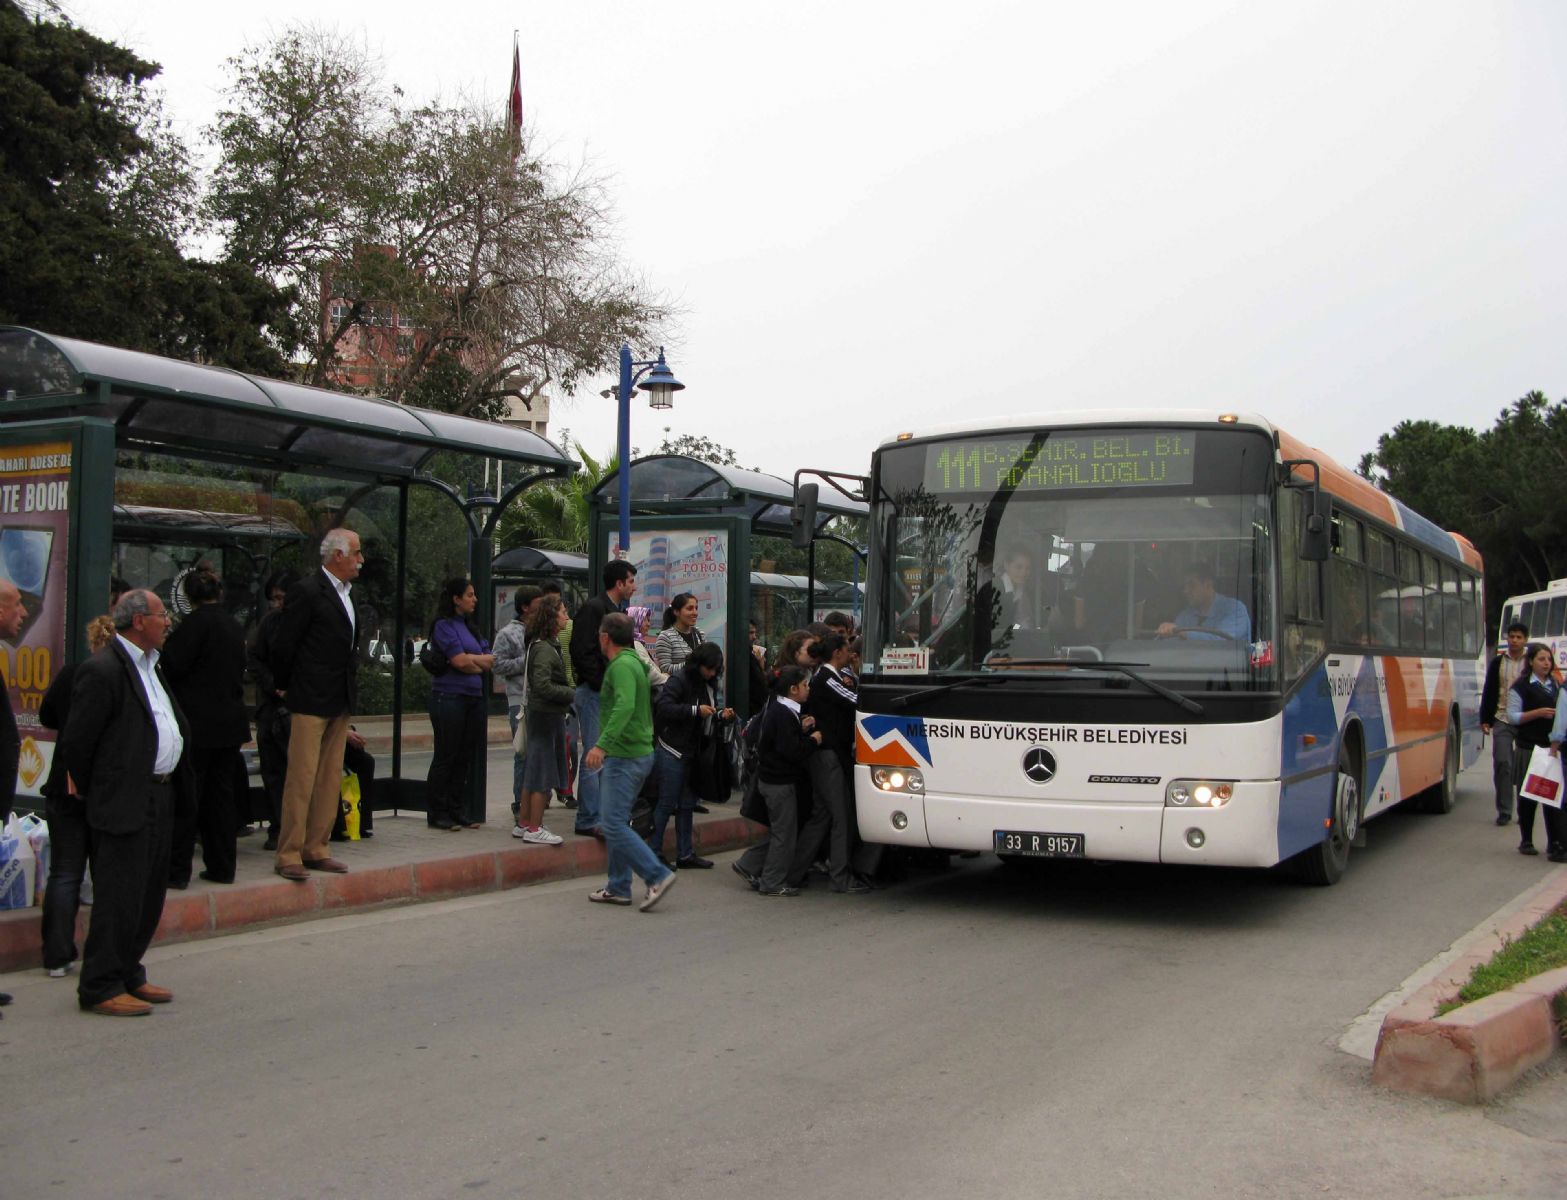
(517,831)
(60,972)
(655,891)
(542,837)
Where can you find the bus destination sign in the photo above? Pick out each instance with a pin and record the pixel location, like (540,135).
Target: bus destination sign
(1061,461)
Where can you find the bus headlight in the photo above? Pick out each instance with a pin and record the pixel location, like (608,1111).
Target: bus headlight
(1198,793)
(897,779)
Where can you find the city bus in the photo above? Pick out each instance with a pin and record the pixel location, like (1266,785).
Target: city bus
(1161,637)
(1545,613)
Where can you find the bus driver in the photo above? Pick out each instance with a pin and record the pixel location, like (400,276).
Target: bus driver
(1208,616)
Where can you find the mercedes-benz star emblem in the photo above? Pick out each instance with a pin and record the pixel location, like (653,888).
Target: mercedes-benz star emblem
(1039,765)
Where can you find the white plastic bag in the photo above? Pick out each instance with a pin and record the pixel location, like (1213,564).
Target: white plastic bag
(1542,782)
(36,830)
(18,867)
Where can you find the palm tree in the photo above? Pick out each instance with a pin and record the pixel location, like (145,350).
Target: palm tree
(554,515)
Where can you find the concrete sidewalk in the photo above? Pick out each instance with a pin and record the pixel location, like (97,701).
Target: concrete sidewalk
(406,861)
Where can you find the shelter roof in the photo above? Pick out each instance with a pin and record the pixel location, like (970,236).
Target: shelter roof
(172,403)
(669,480)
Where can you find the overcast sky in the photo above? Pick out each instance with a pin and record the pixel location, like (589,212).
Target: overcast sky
(881,216)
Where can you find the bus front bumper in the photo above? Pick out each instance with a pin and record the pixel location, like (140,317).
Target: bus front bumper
(1241,833)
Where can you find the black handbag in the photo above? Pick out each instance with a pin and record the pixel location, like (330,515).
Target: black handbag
(753,807)
(432,660)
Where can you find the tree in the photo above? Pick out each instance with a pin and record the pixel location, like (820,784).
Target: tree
(97,197)
(555,515)
(694,446)
(465,276)
(1503,488)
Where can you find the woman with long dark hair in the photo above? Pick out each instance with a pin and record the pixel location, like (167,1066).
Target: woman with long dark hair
(1531,707)
(549,697)
(457,717)
(680,635)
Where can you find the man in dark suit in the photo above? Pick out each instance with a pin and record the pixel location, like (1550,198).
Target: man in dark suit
(123,743)
(12,614)
(313,663)
(205,660)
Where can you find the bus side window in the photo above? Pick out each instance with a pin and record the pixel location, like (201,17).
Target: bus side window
(1528,618)
(1300,590)
(1553,622)
(1431,581)
(1473,618)
(1452,612)
(1347,583)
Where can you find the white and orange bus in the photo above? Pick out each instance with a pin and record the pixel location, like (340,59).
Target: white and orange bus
(1178,637)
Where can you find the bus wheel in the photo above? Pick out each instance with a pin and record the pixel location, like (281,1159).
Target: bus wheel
(1441,797)
(1323,864)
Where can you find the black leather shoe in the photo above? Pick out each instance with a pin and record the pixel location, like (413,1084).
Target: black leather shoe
(1557,854)
(5,998)
(1527,848)
(701,808)
(270,843)
(214,879)
(694,863)
(1503,818)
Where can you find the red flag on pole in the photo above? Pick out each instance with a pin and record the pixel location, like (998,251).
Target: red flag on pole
(514,102)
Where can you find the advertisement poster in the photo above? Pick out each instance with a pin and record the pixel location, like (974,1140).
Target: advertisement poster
(35,487)
(671,561)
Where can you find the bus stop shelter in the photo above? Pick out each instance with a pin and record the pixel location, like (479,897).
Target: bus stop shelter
(690,520)
(114,462)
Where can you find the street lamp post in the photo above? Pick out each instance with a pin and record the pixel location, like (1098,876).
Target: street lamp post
(660,384)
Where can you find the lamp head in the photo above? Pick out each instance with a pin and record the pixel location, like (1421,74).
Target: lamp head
(661,384)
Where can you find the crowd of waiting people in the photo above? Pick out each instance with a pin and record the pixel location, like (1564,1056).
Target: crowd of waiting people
(1523,708)
(631,735)
(669,743)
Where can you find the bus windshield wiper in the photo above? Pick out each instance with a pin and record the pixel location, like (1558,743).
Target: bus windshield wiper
(972,681)
(1126,669)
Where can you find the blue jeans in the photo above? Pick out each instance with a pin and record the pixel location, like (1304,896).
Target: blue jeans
(68,838)
(622,779)
(674,797)
(588,782)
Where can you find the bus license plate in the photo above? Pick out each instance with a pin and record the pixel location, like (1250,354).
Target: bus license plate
(1040,845)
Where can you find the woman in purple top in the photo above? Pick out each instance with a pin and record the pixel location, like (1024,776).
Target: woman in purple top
(457,711)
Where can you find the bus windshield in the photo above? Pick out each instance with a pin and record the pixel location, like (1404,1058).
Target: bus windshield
(1025,552)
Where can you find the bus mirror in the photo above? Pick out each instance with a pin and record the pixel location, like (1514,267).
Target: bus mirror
(802,518)
(1314,539)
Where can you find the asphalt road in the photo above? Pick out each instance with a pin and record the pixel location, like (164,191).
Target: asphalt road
(1095,1031)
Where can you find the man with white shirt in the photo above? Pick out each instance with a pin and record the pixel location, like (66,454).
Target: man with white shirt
(123,745)
(314,663)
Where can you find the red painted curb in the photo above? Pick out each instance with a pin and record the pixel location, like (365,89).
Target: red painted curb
(183,917)
(1473,1053)
(456,876)
(367,888)
(260,903)
(265,902)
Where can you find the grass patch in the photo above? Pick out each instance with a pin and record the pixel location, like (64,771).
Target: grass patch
(1541,948)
